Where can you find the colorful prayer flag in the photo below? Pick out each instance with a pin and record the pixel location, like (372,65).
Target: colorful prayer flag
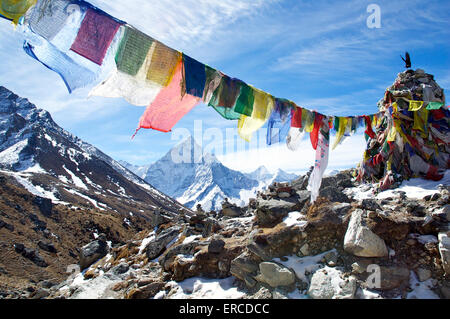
(262,108)
(321,162)
(15,9)
(194,76)
(96,33)
(132,51)
(169,106)
(415,105)
(279,121)
(163,64)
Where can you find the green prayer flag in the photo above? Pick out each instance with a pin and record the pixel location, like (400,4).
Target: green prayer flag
(434,105)
(244,103)
(133,50)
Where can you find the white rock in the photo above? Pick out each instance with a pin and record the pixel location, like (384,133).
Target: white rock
(360,241)
(275,275)
(327,283)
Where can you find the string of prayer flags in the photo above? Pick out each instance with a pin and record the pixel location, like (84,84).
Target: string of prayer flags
(95,36)
(321,161)
(168,107)
(262,108)
(15,9)
(279,122)
(129,79)
(73,75)
(194,76)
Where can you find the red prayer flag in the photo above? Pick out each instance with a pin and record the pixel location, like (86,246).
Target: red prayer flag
(296,120)
(95,36)
(169,106)
(369,130)
(314,135)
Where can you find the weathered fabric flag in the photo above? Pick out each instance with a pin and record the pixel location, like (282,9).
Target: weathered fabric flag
(136,90)
(212,82)
(262,108)
(294,138)
(321,162)
(307,120)
(132,51)
(415,105)
(73,75)
(244,103)
(340,126)
(314,135)
(48,17)
(96,33)
(194,76)
(163,64)
(279,122)
(369,131)
(296,120)
(169,106)
(225,96)
(15,9)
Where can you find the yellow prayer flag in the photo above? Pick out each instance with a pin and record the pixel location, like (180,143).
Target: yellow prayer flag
(421,120)
(415,105)
(163,63)
(262,108)
(343,123)
(15,9)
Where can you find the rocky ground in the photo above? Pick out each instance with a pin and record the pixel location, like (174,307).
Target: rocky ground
(280,246)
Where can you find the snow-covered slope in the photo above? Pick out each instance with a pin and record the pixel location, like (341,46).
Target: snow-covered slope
(44,156)
(192,177)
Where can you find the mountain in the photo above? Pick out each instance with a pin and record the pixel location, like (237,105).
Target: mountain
(194,177)
(52,163)
(263,175)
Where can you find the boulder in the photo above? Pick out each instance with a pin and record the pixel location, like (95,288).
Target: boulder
(49,247)
(271,212)
(145,292)
(216,246)
(34,256)
(244,265)
(120,269)
(275,275)
(360,241)
(92,252)
(333,194)
(328,283)
(158,245)
(45,205)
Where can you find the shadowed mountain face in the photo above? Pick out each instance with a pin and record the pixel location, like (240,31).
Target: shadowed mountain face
(52,163)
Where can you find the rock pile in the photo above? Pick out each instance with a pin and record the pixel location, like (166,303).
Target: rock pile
(412,134)
(283,247)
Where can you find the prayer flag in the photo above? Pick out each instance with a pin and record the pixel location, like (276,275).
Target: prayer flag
(96,33)
(415,105)
(279,121)
(321,162)
(169,106)
(163,63)
(244,103)
(194,76)
(15,9)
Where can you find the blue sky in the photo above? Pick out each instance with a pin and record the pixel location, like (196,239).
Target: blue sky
(319,54)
